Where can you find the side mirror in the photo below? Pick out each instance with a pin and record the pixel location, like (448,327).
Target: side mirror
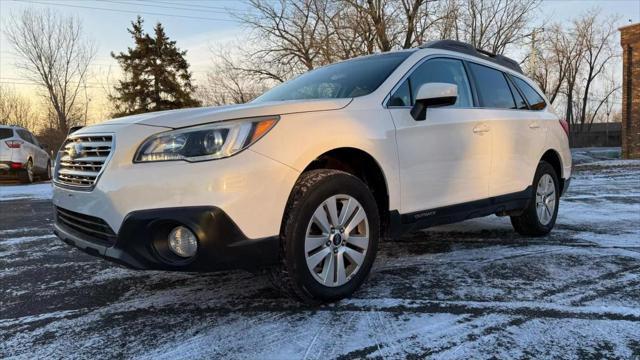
(433,95)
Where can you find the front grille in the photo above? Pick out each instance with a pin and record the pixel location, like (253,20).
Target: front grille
(81,160)
(95,228)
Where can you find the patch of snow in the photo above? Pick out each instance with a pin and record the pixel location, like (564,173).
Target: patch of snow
(25,239)
(621,162)
(41,191)
(587,155)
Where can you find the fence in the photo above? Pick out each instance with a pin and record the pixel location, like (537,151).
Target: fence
(601,135)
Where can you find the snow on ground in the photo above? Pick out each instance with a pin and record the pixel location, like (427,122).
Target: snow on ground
(32,191)
(468,290)
(588,155)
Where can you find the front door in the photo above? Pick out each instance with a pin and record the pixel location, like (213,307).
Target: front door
(445,159)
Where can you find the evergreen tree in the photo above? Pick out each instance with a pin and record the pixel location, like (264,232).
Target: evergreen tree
(157,75)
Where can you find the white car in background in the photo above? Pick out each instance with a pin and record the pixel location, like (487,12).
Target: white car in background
(21,155)
(306,178)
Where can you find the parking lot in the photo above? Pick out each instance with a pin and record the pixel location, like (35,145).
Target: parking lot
(474,289)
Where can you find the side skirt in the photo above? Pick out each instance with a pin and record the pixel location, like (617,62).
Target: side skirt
(503,205)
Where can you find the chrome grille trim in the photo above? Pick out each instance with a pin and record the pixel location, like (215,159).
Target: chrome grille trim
(82,159)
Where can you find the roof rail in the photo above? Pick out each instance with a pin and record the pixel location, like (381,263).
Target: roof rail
(465,48)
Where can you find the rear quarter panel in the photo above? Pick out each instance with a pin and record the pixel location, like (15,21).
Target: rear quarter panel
(557,140)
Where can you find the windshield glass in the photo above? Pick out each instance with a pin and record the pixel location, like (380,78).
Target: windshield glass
(346,79)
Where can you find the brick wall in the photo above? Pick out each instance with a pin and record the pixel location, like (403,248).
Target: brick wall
(630,41)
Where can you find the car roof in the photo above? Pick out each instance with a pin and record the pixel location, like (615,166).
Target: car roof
(468,49)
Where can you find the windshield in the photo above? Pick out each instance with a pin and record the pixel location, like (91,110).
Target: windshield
(346,79)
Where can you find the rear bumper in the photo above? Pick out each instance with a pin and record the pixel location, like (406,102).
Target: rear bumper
(6,171)
(141,241)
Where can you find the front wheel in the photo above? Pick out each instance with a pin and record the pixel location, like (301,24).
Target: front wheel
(329,237)
(540,215)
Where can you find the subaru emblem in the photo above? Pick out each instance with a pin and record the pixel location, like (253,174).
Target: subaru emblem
(75,150)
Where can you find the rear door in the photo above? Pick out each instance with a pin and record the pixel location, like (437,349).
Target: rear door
(516,135)
(444,160)
(40,154)
(28,148)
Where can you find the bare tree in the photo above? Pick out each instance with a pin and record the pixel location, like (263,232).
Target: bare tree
(54,54)
(289,34)
(16,109)
(227,84)
(552,59)
(598,53)
(493,25)
(396,23)
(380,15)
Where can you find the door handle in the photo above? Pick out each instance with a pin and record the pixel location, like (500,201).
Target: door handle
(481,129)
(534,125)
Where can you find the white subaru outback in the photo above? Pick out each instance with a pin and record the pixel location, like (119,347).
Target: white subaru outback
(306,179)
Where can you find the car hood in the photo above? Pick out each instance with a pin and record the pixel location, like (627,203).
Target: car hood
(194,116)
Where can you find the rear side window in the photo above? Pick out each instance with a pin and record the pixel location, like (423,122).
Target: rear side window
(536,102)
(6,133)
(492,86)
(520,103)
(24,134)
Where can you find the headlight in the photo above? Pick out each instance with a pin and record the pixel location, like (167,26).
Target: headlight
(204,142)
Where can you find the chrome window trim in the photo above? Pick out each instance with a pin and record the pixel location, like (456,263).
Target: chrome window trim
(104,165)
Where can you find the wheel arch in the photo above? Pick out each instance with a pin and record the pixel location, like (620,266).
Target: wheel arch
(362,165)
(553,157)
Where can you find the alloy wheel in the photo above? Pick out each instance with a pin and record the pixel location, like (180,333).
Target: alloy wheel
(30,171)
(545,199)
(337,240)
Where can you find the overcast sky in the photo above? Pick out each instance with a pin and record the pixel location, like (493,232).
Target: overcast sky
(196,25)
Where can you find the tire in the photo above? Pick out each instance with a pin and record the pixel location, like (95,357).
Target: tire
(27,175)
(47,174)
(303,240)
(538,219)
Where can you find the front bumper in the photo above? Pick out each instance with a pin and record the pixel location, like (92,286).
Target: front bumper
(141,241)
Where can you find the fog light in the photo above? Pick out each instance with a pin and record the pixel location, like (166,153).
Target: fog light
(183,242)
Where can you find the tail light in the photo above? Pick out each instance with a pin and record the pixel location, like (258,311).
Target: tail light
(14,144)
(565,126)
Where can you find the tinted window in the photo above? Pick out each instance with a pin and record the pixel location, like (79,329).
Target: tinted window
(520,103)
(347,79)
(448,71)
(535,100)
(6,133)
(24,134)
(492,86)
(402,96)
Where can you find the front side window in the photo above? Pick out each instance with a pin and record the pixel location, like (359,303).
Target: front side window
(448,71)
(535,100)
(402,96)
(347,79)
(493,89)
